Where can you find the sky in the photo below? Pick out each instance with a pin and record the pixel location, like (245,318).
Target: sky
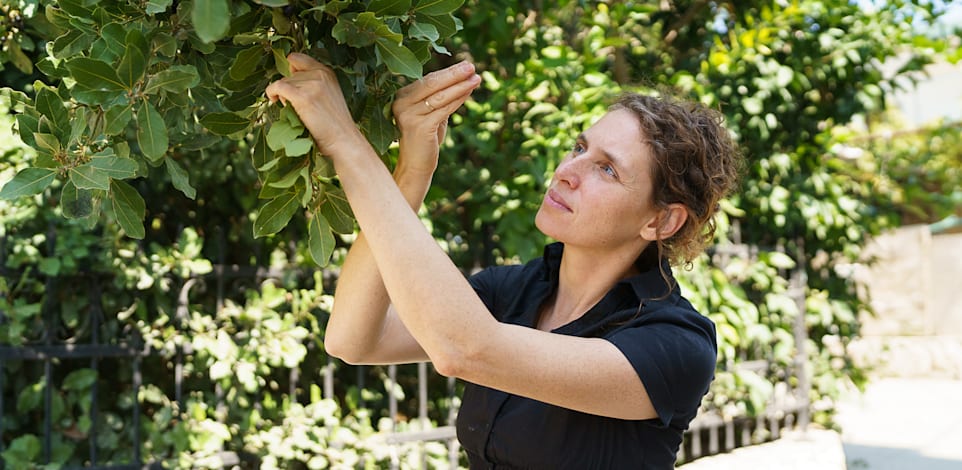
(939,95)
(952,16)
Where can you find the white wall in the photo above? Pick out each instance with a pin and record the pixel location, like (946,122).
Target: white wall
(914,281)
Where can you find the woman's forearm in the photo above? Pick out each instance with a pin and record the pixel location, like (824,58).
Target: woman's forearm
(433,299)
(360,329)
(422,283)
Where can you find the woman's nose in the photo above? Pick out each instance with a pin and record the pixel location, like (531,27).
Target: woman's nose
(568,171)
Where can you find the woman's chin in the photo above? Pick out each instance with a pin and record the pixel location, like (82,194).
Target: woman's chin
(544,223)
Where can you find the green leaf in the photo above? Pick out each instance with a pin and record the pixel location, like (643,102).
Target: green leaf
(247,62)
(94,75)
(50,104)
(399,59)
(778,259)
(115,167)
(320,239)
(151,132)
(378,129)
(437,7)
(157,6)
(280,133)
(334,7)
(134,64)
(275,215)
(261,153)
(446,25)
(128,207)
(27,126)
(77,8)
(27,182)
(176,79)
(347,31)
(76,203)
(24,450)
(104,98)
(211,19)
(281,63)
(180,178)
(50,266)
(117,118)
(425,31)
(112,41)
(19,59)
(165,44)
(280,22)
(291,177)
(224,123)
(389,7)
(270,192)
(80,379)
(72,44)
(87,177)
(298,147)
(752,105)
(337,211)
(78,124)
(47,142)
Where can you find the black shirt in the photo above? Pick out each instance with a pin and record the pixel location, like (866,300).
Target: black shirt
(670,345)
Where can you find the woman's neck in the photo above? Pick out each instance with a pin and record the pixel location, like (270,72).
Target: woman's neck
(583,280)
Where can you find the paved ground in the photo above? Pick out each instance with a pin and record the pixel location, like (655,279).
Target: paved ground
(897,424)
(812,450)
(904,424)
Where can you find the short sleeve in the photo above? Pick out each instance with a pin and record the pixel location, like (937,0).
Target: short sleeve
(487,283)
(674,355)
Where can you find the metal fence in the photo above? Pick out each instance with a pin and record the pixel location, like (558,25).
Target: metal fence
(709,433)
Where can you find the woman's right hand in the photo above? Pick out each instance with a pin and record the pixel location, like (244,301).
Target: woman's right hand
(421,110)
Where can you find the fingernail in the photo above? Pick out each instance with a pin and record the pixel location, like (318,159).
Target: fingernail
(465,66)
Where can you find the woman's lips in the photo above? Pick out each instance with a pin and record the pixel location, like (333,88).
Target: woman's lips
(555,199)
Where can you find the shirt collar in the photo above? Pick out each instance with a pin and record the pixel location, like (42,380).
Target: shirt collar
(648,284)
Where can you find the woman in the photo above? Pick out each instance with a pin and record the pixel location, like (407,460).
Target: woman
(586,358)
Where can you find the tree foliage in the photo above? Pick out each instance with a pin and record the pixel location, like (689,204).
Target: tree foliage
(133,87)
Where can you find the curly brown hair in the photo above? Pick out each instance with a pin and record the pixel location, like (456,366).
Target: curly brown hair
(696,163)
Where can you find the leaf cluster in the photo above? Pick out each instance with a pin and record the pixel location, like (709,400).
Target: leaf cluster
(134,86)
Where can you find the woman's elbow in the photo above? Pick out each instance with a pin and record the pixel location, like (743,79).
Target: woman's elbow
(454,361)
(339,348)
(446,367)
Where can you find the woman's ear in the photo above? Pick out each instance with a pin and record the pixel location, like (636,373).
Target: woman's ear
(668,221)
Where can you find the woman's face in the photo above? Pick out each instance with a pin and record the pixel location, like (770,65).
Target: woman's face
(601,193)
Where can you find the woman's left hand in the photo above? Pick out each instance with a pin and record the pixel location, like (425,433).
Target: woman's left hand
(421,110)
(313,91)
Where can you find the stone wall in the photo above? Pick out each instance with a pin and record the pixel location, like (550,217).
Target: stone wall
(914,282)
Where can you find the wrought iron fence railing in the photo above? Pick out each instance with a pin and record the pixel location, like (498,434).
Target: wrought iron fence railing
(709,434)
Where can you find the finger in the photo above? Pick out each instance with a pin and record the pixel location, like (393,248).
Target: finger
(273,92)
(300,62)
(442,131)
(438,80)
(450,99)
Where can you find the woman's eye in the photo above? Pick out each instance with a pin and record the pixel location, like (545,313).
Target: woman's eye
(609,170)
(578,149)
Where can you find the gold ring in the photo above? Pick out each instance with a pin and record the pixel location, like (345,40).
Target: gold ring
(428,104)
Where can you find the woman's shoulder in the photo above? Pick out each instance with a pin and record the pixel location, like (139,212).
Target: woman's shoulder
(671,316)
(512,274)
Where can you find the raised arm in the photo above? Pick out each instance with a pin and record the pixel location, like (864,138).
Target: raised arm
(364,328)
(436,304)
